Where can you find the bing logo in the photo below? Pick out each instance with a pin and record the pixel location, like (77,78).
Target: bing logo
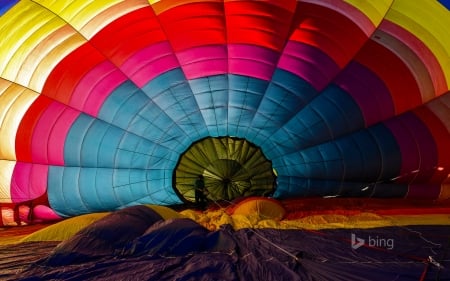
(372,242)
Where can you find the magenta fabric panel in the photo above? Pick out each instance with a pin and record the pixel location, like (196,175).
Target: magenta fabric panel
(150,62)
(252,61)
(95,86)
(42,131)
(29,181)
(57,137)
(204,61)
(42,212)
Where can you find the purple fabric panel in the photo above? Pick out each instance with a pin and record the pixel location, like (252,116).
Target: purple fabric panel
(310,63)
(204,61)
(368,91)
(252,61)
(416,145)
(424,191)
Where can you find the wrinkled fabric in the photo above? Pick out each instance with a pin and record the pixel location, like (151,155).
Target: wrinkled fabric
(147,248)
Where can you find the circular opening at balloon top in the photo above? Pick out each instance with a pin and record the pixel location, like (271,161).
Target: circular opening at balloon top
(231,168)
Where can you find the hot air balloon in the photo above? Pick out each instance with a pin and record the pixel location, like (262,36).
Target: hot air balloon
(111,104)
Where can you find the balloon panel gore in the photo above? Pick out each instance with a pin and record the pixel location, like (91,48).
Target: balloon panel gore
(231,168)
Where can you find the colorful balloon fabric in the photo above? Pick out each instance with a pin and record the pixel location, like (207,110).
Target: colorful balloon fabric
(99,100)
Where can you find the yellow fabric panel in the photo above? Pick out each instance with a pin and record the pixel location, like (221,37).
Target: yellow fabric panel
(263,208)
(214,219)
(29,33)
(375,10)
(64,229)
(48,53)
(14,102)
(88,17)
(6,171)
(428,21)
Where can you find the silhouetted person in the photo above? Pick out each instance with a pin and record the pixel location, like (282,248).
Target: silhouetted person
(200,192)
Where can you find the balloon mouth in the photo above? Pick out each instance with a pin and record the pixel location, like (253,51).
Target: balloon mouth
(231,167)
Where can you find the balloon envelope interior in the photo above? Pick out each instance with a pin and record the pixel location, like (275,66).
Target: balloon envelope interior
(100,100)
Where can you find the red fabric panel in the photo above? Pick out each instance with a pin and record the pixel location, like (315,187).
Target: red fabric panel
(194,24)
(24,136)
(65,77)
(298,208)
(442,139)
(128,35)
(404,90)
(258,23)
(333,33)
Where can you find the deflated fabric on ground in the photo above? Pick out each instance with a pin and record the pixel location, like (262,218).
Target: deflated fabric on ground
(147,248)
(179,237)
(105,237)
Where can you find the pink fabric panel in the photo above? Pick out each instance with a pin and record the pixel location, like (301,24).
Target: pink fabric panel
(44,213)
(58,135)
(95,87)
(150,62)
(204,61)
(43,130)
(252,61)
(29,181)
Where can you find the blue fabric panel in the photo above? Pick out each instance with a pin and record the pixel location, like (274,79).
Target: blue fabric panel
(289,187)
(103,145)
(176,99)
(6,5)
(164,82)
(342,159)
(211,94)
(359,157)
(63,191)
(132,110)
(284,97)
(391,159)
(446,3)
(328,116)
(55,192)
(74,190)
(387,190)
(245,95)
(122,105)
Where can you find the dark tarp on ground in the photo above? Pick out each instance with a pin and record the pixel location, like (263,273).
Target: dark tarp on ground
(136,244)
